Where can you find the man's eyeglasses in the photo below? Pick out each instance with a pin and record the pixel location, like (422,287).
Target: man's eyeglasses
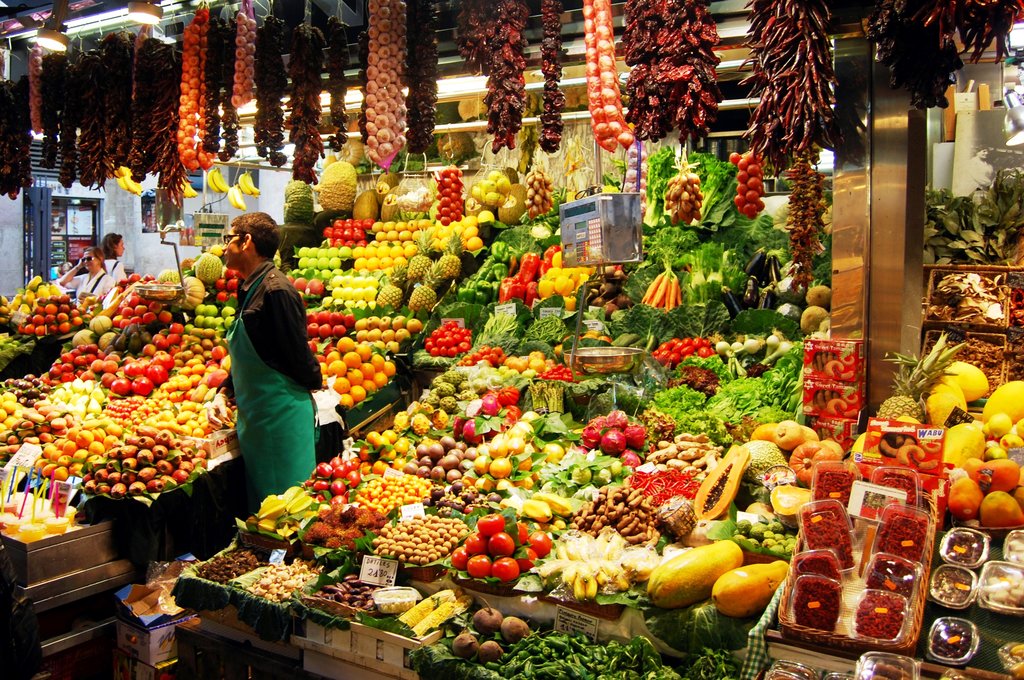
(228,238)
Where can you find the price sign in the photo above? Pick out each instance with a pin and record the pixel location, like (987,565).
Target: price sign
(549,311)
(751,517)
(376,571)
(594,309)
(392,472)
(276,556)
(506,308)
(461,323)
(24,457)
(594,325)
(647,468)
(412,511)
(955,335)
(958,416)
(571,621)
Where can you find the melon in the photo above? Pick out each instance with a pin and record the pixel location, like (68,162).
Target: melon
(168,276)
(208,268)
(195,291)
(83,337)
(100,324)
(106,340)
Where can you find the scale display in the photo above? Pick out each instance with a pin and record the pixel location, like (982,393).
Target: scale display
(601,229)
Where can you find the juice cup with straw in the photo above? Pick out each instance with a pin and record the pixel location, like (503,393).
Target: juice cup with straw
(31,531)
(56,525)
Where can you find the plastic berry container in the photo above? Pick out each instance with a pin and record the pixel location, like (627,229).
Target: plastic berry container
(1011,655)
(1001,588)
(836,675)
(396,600)
(826,526)
(892,573)
(903,531)
(820,562)
(1013,546)
(953,641)
(964,547)
(834,479)
(816,601)
(953,587)
(881,616)
(898,477)
(886,666)
(790,670)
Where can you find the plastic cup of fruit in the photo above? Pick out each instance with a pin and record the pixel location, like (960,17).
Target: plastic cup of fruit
(12,524)
(56,525)
(31,531)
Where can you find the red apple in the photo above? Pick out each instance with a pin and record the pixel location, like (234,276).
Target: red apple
(121,386)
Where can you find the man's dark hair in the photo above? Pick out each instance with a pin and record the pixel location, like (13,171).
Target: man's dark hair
(262,228)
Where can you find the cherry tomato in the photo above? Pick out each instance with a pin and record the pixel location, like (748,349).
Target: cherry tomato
(734,158)
(479,566)
(460,558)
(490,525)
(526,563)
(476,544)
(540,542)
(705,352)
(500,545)
(505,569)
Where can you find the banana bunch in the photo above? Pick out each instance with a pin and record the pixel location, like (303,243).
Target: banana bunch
(586,565)
(546,507)
(236,199)
(246,185)
(215,181)
(125,181)
(187,191)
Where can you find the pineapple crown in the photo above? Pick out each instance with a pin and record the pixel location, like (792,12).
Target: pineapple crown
(454,245)
(915,377)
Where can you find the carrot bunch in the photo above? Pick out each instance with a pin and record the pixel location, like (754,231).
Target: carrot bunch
(664,292)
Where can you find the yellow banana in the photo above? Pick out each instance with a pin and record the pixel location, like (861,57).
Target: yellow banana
(215,181)
(122,183)
(187,191)
(235,198)
(246,185)
(133,186)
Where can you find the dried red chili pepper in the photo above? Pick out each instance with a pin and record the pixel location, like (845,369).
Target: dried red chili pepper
(981,23)
(820,562)
(218,38)
(804,221)
(903,532)
(1016,294)
(229,117)
(304,66)
(155,111)
(897,478)
(421,73)
(506,88)
(825,525)
(71,116)
(834,480)
(337,85)
(817,601)
(475,29)
(271,84)
(51,86)
(15,137)
(551,67)
(364,59)
(880,615)
(117,51)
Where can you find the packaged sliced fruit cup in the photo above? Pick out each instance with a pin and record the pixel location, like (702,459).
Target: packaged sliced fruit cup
(790,670)
(1001,588)
(834,479)
(886,666)
(892,573)
(826,526)
(1013,546)
(56,525)
(881,616)
(396,600)
(903,531)
(31,531)
(953,641)
(899,477)
(816,602)
(1011,655)
(820,562)
(953,586)
(964,547)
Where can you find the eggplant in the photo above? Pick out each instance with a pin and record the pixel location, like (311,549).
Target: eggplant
(756,265)
(731,302)
(751,293)
(768,298)
(773,270)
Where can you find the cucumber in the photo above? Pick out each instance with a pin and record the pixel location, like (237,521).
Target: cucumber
(627,340)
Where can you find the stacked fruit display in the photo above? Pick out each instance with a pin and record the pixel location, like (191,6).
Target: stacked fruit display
(501,548)
(52,315)
(334,479)
(347,233)
(24,300)
(614,435)
(149,462)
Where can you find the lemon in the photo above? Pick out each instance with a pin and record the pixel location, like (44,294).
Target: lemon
(1011,441)
(998,425)
(995,453)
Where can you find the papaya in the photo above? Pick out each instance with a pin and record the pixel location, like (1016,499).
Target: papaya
(965,498)
(746,591)
(1001,474)
(719,488)
(690,577)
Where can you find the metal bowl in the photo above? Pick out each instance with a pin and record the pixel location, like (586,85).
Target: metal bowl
(605,360)
(159,292)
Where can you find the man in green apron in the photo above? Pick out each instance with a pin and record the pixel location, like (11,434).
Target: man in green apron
(273,370)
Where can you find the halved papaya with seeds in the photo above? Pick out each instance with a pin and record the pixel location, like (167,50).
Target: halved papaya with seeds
(720,487)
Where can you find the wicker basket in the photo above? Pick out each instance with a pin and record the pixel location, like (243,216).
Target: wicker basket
(995,274)
(498,589)
(428,574)
(265,543)
(792,630)
(608,612)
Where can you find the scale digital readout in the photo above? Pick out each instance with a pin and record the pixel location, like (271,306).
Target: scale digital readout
(601,229)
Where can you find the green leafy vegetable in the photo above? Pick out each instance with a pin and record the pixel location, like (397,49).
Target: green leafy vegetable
(704,422)
(698,321)
(712,363)
(698,627)
(661,166)
(712,664)
(746,236)
(718,186)
(520,240)
(679,400)
(642,320)
(736,399)
(670,244)
(761,322)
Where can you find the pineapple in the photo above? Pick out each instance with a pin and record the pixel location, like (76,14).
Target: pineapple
(914,378)
(392,294)
(420,263)
(451,262)
(399,276)
(425,295)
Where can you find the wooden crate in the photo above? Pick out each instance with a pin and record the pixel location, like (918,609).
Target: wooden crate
(225,623)
(992,349)
(203,654)
(997,275)
(385,653)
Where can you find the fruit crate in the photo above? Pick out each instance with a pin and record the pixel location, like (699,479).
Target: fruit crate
(987,351)
(992,275)
(1014,354)
(333,652)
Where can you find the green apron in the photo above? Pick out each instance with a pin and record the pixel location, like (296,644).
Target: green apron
(275,419)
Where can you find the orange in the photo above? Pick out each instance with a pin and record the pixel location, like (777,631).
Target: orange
(355,377)
(377,361)
(342,385)
(369,386)
(365,351)
(85,437)
(389,368)
(332,356)
(358,393)
(380,380)
(353,359)
(346,344)
(336,367)
(347,401)
(368,371)
(379,467)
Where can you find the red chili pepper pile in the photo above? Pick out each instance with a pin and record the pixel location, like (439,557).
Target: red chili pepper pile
(506,89)
(305,63)
(421,73)
(816,602)
(903,532)
(551,67)
(793,75)
(804,221)
(880,615)
(825,525)
(665,484)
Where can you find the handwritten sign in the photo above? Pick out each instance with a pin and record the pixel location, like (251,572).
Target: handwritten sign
(506,308)
(571,621)
(461,323)
(594,325)
(647,468)
(412,511)
(549,311)
(24,457)
(958,416)
(392,472)
(377,571)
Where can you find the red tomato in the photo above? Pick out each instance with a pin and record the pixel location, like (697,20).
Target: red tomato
(476,544)
(491,524)
(479,566)
(734,157)
(526,563)
(353,478)
(505,569)
(500,544)
(460,558)
(705,352)
(540,543)
(524,534)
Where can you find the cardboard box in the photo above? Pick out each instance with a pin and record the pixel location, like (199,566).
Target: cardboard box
(844,431)
(832,398)
(913,445)
(330,652)
(841,360)
(151,645)
(220,444)
(128,668)
(143,606)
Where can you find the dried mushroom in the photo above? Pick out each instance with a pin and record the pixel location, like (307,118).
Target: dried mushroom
(968,297)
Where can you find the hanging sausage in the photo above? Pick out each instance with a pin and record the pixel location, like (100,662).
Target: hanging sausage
(421,73)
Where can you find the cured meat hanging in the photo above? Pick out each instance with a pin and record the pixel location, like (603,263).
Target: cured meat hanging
(52,93)
(794,78)
(421,73)
(155,115)
(217,44)
(385,74)
(15,137)
(604,98)
(551,67)
(337,86)
(506,88)
(304,66)
(271,83)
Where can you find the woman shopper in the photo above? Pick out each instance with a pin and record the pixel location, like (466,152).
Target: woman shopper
(113,251)
(94,281)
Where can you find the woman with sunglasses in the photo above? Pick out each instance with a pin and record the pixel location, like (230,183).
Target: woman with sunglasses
(94,281)
(273,370)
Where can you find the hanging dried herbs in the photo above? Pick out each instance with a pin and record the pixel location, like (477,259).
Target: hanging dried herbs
(421,73)
(271,83)
(364,60)
(475,28)
(15,137)
(794,78)
(551,67)
(229,117)
(306,61)
(52,91)
(217,37)
(804,221)
(337,85)
(154,146)
(70,118)
(506,90)
(117,52)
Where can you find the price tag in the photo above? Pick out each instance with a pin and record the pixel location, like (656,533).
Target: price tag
(958,416)
(392,472)
(276,556)
(412,511)
(647,468)
(571,621)
(66,490)
(594,325)
(377,571)
(506,308)
(955,335)
(24,457)
(594,309)
(751,517)
(549,311)
(461,323)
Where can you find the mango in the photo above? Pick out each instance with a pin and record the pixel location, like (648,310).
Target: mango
(1009,399)
(999,509)
(690,577)
(963,441)
(965,498)
(746,591)
(994,475)
(971,379)
(1018,495)
(946,385)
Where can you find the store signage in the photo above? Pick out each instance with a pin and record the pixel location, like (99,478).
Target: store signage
(25,456)
(507,308)
(594,325)
(867,500)
(392,472)
(572,622)
(549,311)
(377,571)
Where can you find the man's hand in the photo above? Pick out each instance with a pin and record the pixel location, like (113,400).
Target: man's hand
(217,412)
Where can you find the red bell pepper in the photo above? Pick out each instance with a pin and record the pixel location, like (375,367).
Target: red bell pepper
(549,256)
(505,290)
(529,268)
(531,294)
(517,290)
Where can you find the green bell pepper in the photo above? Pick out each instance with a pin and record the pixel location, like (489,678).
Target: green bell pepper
(499,272)
(500,252)
(467,293)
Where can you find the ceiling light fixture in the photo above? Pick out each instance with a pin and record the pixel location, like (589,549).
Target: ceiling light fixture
(145,13)
(51,37)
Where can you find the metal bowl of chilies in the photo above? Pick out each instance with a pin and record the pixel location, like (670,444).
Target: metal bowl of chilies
(605,360)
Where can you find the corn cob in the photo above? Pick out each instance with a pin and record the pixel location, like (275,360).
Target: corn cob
(426,606)
(442,614)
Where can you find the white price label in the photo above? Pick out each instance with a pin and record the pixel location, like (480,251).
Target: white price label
(647,468)
(549,311)
(751,517)
(594,325)
(571,621)
(461,323)
(24,457)
(412,511)
(276,556)
(506,308)
(377,571)
(392,472)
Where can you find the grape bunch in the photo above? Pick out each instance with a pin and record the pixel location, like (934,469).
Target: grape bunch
(749,184)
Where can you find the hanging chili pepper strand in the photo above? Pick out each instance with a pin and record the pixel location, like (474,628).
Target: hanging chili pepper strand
(35,71)
(474,31)
(92,129)
(981,23)
(364,60)
(421,73)
(15,137)
(506,88)
(551,67)
(117,53)
(271,83)
(142,157)
(52,92)
(192,86)
(337,86)
(229,116)
(213,73)
(71,116)
(154,148)
(804,221)
(794,78)
(304,67)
